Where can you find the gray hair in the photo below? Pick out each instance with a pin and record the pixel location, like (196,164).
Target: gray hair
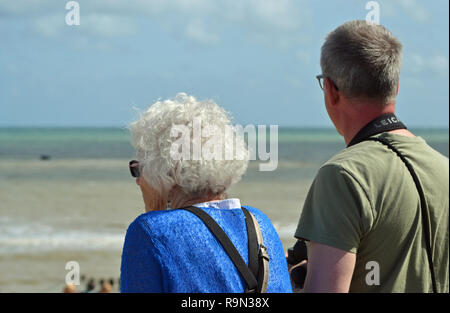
(363,60)
(153,139)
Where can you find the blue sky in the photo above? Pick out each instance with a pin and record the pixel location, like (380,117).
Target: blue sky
(256,58)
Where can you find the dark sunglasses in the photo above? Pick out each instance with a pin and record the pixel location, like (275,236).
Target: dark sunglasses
(134,168)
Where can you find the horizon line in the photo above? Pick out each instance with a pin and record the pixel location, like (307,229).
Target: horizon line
(124,127)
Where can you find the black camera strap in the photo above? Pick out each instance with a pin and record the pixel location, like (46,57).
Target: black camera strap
(381,124)
(256,273)
(386,123)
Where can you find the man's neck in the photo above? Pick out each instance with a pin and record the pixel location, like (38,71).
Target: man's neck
(356,121)
(354,125)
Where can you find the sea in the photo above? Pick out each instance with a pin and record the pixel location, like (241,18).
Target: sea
(66,195)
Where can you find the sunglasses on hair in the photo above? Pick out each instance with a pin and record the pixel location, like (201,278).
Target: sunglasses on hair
(134,168)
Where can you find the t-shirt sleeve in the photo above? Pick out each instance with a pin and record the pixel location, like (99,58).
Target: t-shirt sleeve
(336,212)
(140,268)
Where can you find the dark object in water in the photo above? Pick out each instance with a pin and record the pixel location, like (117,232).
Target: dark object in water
(45,157)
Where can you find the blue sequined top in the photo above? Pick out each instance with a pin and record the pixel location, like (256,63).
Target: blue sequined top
(174,251)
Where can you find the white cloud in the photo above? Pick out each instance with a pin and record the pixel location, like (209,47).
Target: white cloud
(437,64)
(411,8)
(280,14)
(194,19)
(12,68)
(49,25)
(107,25)
(295,82)
(415,10)
(197,31)
(28,8)
(100,25)
(304,56)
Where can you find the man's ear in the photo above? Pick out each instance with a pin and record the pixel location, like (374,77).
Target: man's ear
(333,93)
(398,86)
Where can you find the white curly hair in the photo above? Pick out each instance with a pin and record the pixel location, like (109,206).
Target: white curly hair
(151,136)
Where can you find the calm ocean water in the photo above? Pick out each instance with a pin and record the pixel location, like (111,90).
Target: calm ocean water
(77,205)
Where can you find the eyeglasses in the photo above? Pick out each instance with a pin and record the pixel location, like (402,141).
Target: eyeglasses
(321,79)
(134,168)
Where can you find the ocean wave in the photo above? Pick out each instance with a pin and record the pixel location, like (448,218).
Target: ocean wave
(285,231)
(36,237)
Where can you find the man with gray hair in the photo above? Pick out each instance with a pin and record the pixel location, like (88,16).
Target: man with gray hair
(377,214)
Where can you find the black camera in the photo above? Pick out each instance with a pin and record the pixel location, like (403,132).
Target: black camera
(297,254)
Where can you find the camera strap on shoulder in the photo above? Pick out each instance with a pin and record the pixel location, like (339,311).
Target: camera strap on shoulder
(258,256)
(423,208)
(256,274)
(386,123)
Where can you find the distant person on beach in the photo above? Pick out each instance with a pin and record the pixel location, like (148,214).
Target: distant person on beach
(90,286)
(70,288)
(172,249)
(370,227)
(105,287)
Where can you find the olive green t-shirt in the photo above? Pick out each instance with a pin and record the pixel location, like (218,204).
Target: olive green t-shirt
(364,201)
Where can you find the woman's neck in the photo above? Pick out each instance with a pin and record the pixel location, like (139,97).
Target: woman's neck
(181,201)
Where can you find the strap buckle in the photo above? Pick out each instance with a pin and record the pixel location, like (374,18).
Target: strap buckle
(263,252)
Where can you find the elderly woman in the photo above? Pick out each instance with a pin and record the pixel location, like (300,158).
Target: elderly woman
(170,249)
